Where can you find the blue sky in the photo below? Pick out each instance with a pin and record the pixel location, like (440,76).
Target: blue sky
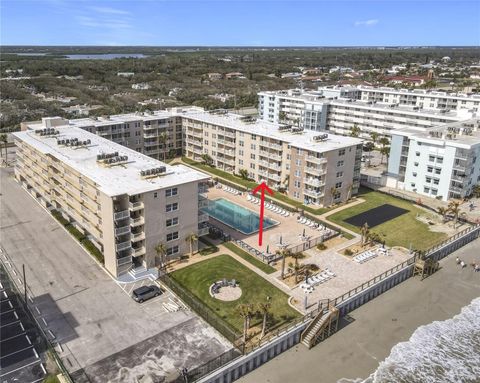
(251,23)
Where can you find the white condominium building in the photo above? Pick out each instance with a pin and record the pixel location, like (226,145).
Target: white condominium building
(442,162)
(314,168)
(125,202)
(339,109)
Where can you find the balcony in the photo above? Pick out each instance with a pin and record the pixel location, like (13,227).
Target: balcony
(313,193)
(316,160)
(121,215)
(202,217)
(138,237)
(275,177)
(123,246)
(314,182)
(203,231)
(315,171)
(122,230)
(134,206)
(137,251)
(137,221)
(202,202)
(124,260)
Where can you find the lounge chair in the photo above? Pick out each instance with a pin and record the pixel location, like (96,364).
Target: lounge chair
(249,197)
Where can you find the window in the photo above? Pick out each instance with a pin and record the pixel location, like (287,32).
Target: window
(252,166)
(415,164)
(252,156)
(339,163)
(297,173)
(172,250)
(172,207)
(338,185)
(341,152)
(439,160)
(339,174)
(431,158)
(155,195)
(172,222)
(438,171)
(417,154)
(414,174)
(297,184)
(172,236)
(298,162)
(430,169)
(426,190)
(171,192)
(254,137)
(434,191)
(241,143)
(240,152)
(253,146)
(240,162)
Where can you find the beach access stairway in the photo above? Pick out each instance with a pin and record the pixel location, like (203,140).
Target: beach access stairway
(323,325)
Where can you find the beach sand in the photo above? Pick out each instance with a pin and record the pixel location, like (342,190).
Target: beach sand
(356,350)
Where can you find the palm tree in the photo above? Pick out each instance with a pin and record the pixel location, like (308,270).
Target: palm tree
(374,137)
(162,139)
(191,239)
(355,131)
(476,191)
(246,312)
(364,233)
(296,256)
(333,192)
(206,159)
(385,151)
(161,250)
(243,173)
(383,141)
(454,208)
(4,141)
(443,211)
(349,191)
(263,309)
(284,253)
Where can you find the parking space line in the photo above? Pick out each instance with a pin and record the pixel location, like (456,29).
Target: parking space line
(19,368)
(23,349)
(10,323)
(16,336)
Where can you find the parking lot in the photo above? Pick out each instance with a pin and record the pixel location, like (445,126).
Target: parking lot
(22,352)
(92,319)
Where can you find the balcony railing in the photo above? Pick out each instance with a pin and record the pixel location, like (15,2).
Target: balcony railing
(139,251)
(313,182)
(137,221)
(315,171)
(202,217)
(121,215)
(123,246)
(122,230)
(203,231)
(138,237)
(316,160)
(313,193)
(124,260)
(134,206)
(202,202)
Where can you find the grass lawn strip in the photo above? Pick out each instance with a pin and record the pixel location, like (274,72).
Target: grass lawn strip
(250,258)
(401,231)
(198,277)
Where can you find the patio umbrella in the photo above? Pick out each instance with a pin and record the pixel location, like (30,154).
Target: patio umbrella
(280,240)
(268,248)
(304,232)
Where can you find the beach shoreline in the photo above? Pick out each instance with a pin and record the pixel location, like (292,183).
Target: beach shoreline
(356,350)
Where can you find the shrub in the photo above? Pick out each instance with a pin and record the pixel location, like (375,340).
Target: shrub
(348,252)
(59,217)
(75,232)
(51,378)
(92,249)
(321,246)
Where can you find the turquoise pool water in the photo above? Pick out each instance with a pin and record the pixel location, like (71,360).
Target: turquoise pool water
(236,216)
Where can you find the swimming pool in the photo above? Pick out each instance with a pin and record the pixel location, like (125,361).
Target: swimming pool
(236,216)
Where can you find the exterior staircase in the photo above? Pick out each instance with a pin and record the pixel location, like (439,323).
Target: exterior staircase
(137,274)
(323,325)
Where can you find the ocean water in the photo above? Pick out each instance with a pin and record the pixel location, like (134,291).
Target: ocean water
(440,352)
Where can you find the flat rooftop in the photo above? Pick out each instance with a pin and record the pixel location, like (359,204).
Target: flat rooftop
(114,180)
(303,140)
(463,134)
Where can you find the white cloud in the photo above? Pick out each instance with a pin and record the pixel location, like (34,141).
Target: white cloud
(109,10)
(366,23)
(103,23)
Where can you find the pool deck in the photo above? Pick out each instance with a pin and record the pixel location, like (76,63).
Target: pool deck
(349,274)
(288,228)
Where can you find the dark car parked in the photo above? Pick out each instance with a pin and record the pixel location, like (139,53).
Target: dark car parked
(145,292)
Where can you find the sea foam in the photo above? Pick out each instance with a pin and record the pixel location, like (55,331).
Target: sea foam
(442,351)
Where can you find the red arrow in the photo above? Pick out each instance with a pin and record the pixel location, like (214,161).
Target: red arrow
(262,187)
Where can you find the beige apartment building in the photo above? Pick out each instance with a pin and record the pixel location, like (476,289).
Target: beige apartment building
(125,202)
(313,168)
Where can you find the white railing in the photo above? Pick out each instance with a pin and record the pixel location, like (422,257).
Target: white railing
(203,231)
(121,215)
(313,182)
(203,217)
(136,221)
(135,205)
(122,230)
(316,160)
(138,236)
(123,245)
(139,251)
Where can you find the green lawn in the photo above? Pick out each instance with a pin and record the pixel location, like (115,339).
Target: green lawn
(249,258)
(400,231)
(198,277)
(251,185)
